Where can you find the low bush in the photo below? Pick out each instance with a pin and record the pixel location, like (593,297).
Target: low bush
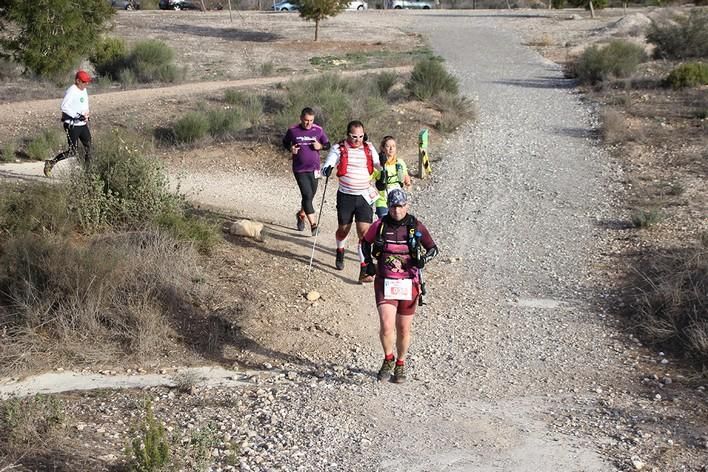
(618,59)
(106,299)
(185,227)
(336,101)
(681,37)
(385,81)
(191,127)
(266,69)
(234,96)
(30,422)
(149,4)
(455,110)
(109,57)
(614,127)
(153,61)
(33,208)
(251,109)
(693,74)
(46,144)
(429,78)
(223,123)
(150,450)
(125,188)
(646,218)
(670,310)
(8,151)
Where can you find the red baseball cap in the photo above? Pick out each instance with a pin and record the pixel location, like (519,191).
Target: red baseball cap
(83,76)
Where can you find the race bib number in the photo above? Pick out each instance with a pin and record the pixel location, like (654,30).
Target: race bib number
(398,289)
(372,195)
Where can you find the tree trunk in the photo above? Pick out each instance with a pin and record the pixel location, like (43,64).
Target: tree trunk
(203,7)
(317,28)
(592,10)
(230,17)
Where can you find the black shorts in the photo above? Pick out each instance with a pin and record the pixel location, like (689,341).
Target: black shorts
(350,207)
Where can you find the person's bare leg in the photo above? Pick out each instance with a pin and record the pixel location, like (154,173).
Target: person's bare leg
(403,335)
(387,336)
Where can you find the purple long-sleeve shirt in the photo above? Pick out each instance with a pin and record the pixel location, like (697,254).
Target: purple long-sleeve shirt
(307,159)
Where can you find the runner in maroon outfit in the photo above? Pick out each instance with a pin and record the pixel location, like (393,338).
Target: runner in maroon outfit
(401,246)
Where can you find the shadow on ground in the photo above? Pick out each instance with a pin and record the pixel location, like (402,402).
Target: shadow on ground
(229,34)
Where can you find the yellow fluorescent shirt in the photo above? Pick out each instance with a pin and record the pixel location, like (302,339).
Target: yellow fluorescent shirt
(393,180)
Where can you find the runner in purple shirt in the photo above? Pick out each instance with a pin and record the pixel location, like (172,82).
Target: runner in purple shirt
(305,140)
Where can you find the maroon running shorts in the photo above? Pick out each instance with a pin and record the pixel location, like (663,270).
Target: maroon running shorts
(404,307)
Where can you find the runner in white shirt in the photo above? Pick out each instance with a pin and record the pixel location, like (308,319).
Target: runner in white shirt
(355,161)
(74,116)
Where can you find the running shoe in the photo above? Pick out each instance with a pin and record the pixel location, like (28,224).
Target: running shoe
(399,374)
(300,222)
(385,370)
(339,261)
(314,229)
(48,166)
(365,278)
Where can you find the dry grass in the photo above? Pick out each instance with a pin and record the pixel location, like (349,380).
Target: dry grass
(671,307)
(614,127)
(102,301)
(542,40)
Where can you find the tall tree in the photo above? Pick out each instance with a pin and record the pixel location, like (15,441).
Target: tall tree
(317,10)
(49,37)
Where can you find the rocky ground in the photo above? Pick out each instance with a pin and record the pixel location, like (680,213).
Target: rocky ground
(517,364)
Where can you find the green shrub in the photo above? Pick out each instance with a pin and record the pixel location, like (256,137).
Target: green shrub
(189,228)
(682,37)
(109,57)
(127,77)
(38,208)
(46,144)
(30,421)
(223,123)
(455,111)
(558,4)
(9,70)
(385,81)
(251,110)
(596,4)
(693,74)
(430,78)
(51,37)
(191,127)
(125,187)
(149,4)
(234,96)
(150,451)
(266,69)
(336,101)
(646,218)
(8,151)
(153,61)
(616,60)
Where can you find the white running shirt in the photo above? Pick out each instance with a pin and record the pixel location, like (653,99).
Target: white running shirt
(75,102)
(357,180)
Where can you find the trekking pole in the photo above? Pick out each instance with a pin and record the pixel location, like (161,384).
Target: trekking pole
(314,243)
(418,250)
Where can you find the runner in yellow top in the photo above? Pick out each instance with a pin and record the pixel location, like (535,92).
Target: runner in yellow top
(394,174)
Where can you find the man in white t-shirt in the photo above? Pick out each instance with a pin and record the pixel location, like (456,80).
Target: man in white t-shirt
(355,160)
(74,116)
